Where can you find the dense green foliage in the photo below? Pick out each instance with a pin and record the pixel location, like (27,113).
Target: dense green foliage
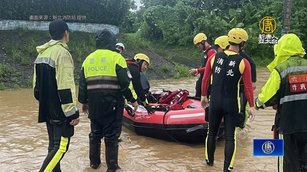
(95,11)
(176,22)
(17,54)
(162,29)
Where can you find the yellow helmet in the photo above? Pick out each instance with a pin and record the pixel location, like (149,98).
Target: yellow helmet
(200,37)
(141,56)
(237,35)
(222,41)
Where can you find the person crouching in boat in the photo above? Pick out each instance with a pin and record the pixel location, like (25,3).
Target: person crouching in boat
(137,66)
(120,48)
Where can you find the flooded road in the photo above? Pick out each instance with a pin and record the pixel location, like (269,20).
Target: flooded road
(23,141)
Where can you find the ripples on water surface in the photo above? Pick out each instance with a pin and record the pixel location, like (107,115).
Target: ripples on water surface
(23,142)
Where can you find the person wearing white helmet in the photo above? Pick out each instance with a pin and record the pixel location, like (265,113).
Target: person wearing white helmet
(120,47)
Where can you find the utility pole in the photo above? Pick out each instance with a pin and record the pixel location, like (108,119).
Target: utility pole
(286,16)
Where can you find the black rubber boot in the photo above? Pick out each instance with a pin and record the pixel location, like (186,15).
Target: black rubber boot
(95,149)
(211,145)
(226,166)
(111,154)
(210,163)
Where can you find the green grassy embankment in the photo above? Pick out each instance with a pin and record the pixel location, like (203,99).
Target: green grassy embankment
(18,52)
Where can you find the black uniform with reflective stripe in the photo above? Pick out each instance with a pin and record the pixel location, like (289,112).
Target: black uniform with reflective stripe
(103,82)
(48,95)
(293,112)
(95,97)
(54,89)
(223,104)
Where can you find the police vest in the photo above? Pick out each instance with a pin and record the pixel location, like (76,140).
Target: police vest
(226,75)
(100,70)
(292,95)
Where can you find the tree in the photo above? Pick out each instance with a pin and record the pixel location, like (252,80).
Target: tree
(175,22)
(150,3)
(96,11)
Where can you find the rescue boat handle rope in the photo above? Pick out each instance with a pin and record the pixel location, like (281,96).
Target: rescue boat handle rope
(172,137)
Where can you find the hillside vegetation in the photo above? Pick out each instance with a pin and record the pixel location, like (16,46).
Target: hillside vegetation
(163,30)
(18,52)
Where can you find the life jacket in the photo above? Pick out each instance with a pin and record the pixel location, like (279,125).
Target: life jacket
(174,99)
(144,80)
(205,57)
(132,62)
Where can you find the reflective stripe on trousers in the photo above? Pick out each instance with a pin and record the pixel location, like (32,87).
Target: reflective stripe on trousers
(58,146)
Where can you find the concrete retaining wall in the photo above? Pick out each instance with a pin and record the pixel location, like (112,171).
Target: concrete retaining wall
(43,25)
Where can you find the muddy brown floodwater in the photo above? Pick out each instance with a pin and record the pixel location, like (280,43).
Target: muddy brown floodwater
(23,141)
